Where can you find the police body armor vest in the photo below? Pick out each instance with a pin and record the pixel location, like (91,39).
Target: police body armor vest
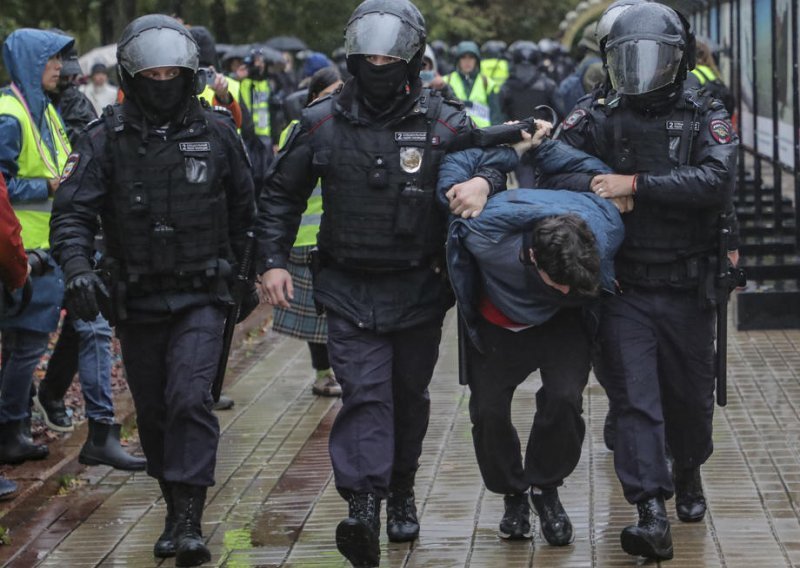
(378,187)
(662,242)
(171,229)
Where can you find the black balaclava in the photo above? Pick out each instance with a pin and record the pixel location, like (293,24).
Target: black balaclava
(657,102)
(161,100)
(380,85)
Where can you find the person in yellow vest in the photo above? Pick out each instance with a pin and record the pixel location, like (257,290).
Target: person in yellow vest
(301,319)
(475,89)
(706,75)
(219,90)
(33,153)
(255,93)
(494,61)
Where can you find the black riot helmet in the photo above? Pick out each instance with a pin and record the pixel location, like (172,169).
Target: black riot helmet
(493,49)
(610,16)
(646,49)
(393,28)
(523,51)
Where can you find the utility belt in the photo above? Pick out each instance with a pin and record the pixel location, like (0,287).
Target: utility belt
(683,273)
(319,259)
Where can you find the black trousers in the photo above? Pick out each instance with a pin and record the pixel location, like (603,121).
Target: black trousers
(376,439)
(658,352)
(170,367)
(560,349)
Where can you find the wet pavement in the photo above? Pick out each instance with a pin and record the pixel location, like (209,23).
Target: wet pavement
(275,504)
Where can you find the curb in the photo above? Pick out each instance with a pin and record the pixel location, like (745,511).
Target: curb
(40,480)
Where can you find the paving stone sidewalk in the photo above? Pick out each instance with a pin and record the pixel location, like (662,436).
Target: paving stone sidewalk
(275,504)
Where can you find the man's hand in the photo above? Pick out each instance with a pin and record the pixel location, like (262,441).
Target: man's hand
(733,256)
(81,296)
(220,88)
(468,199)
(276,287)
(624,204)
(543,130)
(609,186)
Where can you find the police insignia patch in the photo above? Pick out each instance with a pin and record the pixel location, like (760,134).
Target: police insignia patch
(70,166)
(574,118)
(720,131)
(410,160)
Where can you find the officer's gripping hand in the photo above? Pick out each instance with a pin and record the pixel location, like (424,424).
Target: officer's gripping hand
(468,199)
(609,186)
(624,204)
(276,287)
(81,295)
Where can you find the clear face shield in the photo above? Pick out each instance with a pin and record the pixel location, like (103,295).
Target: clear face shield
(382,34)
(158,47)
(639,66)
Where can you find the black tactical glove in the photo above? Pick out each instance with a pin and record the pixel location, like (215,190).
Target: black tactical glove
(81,298)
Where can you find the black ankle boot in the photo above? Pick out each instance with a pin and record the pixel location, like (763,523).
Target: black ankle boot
(16,445)
(690,503)
(102,447)
(651,536)
(357,535)
(53,410)
(190,548)
(165,545)
(553,519)
(402,524)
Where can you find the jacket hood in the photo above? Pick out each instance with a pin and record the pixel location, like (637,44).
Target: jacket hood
(25,54)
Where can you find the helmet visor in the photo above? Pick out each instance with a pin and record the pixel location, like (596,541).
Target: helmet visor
(158,47)
(382,34)
(639,66)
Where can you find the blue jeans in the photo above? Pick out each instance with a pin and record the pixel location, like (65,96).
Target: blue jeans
(22,350)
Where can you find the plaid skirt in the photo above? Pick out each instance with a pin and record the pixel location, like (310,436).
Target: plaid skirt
(301,319)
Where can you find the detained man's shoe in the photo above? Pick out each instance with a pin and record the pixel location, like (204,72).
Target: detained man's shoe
(102,447)
(516,521)
(690,503)
(402,524)
(8,488)
(16,445)
(190,547)
(651,536)
(54,412)
(357,535)
(555,524)
(165,545)
(224,403)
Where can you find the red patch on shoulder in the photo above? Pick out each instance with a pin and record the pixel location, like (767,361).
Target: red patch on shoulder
(70,167)
(574,118)
(720,131)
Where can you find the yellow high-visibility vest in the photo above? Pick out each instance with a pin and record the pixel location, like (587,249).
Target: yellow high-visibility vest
(255,95)
(309,223)
(479,97)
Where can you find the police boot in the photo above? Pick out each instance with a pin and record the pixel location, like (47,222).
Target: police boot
(690,503)
(165,545)
(357,535)
(651,536)
(16,445)
(190,548)
(102,447)
(402,524)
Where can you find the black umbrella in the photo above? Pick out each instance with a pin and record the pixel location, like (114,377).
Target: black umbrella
(286,43)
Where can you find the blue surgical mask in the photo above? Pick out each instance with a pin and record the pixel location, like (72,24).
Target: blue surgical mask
(427,76)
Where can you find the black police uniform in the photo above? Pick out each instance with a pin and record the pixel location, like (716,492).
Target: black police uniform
(175,204)
(657,334)
(380,274)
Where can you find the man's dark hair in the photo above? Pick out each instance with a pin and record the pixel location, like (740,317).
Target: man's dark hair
(321,80)
(565,248)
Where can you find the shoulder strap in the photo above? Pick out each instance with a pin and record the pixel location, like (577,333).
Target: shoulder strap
(431,116)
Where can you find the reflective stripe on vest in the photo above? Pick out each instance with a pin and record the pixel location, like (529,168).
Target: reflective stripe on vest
(309,223)
(36,161)
(479,96)
(255,95)
(704,73)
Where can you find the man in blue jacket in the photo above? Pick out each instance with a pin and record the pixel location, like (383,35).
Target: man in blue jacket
(523,270)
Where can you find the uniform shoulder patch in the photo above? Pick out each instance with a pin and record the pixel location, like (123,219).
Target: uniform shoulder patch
(69,168)
(574,118)
(720,131)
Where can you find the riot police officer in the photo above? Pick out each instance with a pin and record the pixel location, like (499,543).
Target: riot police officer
(376,145)
(674,154)
(171,182)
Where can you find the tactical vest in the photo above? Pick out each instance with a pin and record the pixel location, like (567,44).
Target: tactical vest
(378,186)
(36,161)
(255,95)
(663,243)
(478,98)
(170,231)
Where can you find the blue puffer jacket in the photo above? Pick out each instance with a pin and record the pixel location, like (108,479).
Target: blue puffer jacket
(515,211)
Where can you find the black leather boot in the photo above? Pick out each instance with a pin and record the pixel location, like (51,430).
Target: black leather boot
(16,445)
(553,519)
(165,545)
(190,548)
(651,536)
(357,535)
(690,503)
(102,447)
(402,524)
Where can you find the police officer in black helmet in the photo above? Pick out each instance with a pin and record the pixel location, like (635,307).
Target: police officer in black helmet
(376,144)
(171,182)
(674,154)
